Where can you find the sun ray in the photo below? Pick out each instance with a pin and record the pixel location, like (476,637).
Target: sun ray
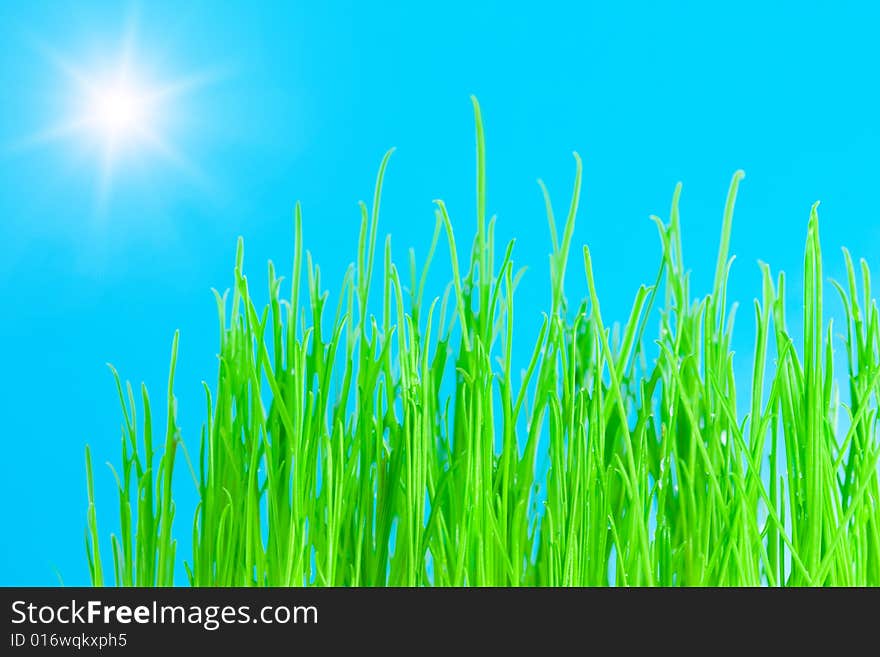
(185,85)
(67,129)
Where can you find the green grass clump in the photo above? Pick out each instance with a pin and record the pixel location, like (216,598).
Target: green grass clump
(343,447)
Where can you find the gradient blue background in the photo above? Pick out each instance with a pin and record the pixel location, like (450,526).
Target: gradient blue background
(304,99)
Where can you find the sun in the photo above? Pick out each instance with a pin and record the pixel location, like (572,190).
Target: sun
(120,111)
(123,116)
(122,108)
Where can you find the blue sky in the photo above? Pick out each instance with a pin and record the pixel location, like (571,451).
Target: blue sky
(298,101)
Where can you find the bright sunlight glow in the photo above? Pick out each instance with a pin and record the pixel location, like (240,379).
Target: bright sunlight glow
(119,111)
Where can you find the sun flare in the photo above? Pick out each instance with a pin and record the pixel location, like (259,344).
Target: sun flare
(120,110)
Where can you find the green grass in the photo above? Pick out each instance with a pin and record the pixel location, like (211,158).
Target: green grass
(400,445)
